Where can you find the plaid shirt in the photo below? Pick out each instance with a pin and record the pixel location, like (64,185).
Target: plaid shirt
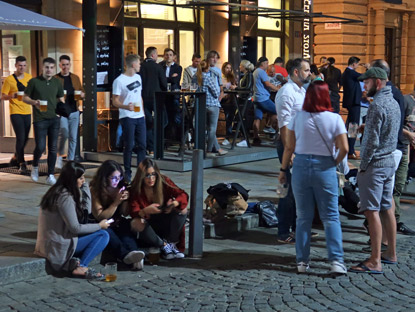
(212,90)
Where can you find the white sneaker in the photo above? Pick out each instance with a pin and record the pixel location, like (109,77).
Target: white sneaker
(50,179)
(226,142)
(302,267)
(34,174)
(269,130)
(59,162)
(133,257)
(242,144)
(176,252)
(338,267)
(139,265)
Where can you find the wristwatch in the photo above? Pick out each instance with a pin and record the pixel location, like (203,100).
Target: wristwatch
(283,170)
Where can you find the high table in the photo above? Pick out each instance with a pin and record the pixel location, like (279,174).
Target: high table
(240,113)
(200,120)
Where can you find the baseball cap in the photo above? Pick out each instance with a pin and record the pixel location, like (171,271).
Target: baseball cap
(261,60)
(374,72)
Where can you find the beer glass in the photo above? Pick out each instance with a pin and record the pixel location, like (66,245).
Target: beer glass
(43,106)
(20,95)
(78,95)
(110,271)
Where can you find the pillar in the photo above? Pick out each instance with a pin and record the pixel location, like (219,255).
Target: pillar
(379,48)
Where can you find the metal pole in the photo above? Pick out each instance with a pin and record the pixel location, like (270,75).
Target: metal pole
(196,206)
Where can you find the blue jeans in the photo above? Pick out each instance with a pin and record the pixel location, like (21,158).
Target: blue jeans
(91,245)
(267,106)
(286,205)
(212,124)
(314,179)
(134,134)
(68,130)
(49,128)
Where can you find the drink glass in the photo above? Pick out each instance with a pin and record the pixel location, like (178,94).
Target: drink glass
(352,131)
(137,107)
(20,95)
(43,106)
(64,94)
(169,87)
(77,95)
(110,271)
(154,255)
(193,87)
(185,87)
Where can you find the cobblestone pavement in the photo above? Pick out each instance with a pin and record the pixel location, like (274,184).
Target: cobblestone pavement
(230,280)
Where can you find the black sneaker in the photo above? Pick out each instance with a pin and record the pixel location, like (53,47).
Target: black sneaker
(22,169)
(403,229)
(13,162)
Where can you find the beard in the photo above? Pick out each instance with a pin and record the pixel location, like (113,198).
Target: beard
(372,91)
(304,80)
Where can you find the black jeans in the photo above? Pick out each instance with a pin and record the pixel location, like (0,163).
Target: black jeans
(49,128)
(21,127)
(162,227)
(122,239)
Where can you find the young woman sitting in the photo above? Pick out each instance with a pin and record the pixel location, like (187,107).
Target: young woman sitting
(60,235)
(110,200)
(158,208)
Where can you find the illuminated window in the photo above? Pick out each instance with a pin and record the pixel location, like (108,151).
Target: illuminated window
(187,39)
(159,38)
(157,11)
(130,9)
(130,40)
(260,45)
(272,48)
(183,14)
(269,23)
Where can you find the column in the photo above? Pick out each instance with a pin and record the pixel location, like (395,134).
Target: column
(379,48)
(410,69)
(404,50)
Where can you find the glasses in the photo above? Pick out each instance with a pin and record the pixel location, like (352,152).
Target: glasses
(150,175)
(116,178)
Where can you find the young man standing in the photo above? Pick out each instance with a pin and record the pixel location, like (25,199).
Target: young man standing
(189,74)
(377,169)
(20,113)
(48,90)
(126,96)
(69,125)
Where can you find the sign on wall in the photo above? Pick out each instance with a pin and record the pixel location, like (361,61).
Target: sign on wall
(307,30)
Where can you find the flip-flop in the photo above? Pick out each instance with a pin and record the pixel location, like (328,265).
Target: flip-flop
(387,261)
(365,269)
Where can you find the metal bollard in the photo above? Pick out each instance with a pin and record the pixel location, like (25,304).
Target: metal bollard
(196,206)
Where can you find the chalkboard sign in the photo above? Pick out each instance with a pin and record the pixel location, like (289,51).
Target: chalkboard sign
(103,55)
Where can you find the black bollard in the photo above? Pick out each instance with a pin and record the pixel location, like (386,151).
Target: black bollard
(196,206)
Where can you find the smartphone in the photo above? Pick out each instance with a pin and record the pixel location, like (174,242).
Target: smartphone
(109,221)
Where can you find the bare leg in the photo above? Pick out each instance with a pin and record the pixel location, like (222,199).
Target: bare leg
(255,126)
(389,223)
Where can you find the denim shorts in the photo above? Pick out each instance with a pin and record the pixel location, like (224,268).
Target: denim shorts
(375,188)
(267,106)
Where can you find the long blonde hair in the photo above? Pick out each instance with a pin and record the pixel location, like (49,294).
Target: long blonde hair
(200,69)
(137,186)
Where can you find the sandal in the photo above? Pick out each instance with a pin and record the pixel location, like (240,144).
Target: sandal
(90,274)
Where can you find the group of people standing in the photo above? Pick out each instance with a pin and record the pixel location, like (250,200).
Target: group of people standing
(41,96)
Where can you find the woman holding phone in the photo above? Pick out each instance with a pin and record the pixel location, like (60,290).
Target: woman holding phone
(61,236)
(110,201)
(158,208)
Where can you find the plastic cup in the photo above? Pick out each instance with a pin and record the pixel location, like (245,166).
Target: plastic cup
(78,95)
(43,106)
(282,190)
(20,95)
(137,107)
(154,255)
(110,271)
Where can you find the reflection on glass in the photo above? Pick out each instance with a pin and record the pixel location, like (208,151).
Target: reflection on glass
(157,11)
(130,40)
(269,23)
(272,48)
(186,47)
(184,15)
(260,50)
(130,9)
(159,38)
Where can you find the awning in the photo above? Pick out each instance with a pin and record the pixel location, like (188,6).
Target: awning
(15,18)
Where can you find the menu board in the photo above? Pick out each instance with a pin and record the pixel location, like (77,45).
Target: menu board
(103,55)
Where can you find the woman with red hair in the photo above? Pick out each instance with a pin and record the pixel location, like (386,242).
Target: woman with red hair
(318,138)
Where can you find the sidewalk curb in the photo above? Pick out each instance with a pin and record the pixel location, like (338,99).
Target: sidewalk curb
(29,268)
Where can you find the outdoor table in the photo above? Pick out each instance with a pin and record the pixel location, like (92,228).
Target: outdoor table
(200,120)
(240,113)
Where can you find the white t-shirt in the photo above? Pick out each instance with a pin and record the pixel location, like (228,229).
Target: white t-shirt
(129,90)
(288,101)
(307,137)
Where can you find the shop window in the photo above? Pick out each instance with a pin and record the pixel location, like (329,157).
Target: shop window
(260,47)
(157,11)
(269,23)
(159,38)
(272,48)
(130,41)
(130,9)
(187,39)
(184,15)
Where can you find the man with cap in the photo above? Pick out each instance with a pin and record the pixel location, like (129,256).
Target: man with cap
(262,101)
(377,169)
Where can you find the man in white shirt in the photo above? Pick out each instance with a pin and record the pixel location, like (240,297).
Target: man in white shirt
(126,96)
(288,102)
